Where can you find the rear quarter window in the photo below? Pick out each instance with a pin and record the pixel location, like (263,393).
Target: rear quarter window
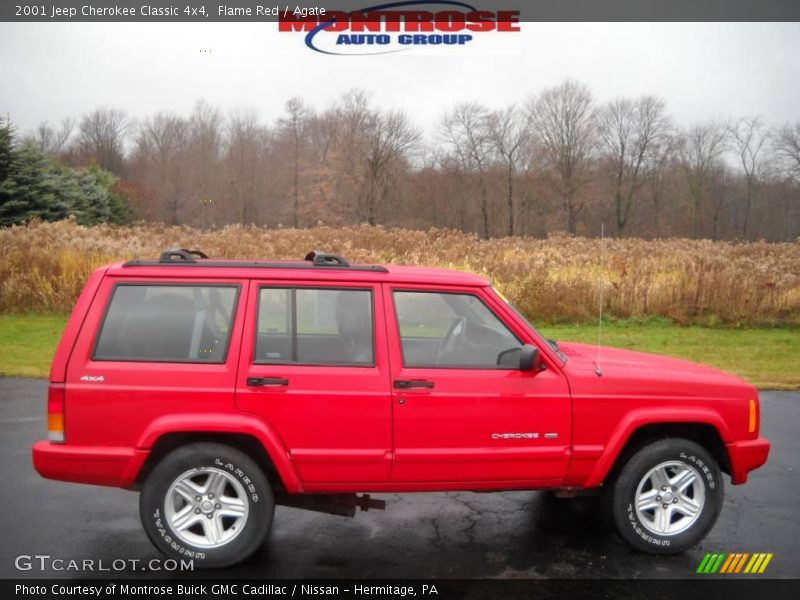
(167,323)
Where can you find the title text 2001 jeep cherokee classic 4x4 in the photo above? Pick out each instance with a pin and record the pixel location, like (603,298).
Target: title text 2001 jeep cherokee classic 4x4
(220,388)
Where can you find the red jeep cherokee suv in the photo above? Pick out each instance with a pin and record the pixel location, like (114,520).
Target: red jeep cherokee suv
(221,388)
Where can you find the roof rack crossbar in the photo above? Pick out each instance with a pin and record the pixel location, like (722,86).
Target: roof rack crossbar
(321,259)
(181,255)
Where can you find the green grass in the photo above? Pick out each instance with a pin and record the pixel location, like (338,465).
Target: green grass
(769,358)
(28,342)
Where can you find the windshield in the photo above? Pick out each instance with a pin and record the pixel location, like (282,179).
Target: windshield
(552,343)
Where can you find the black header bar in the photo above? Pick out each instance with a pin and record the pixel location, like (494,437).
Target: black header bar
(153,11)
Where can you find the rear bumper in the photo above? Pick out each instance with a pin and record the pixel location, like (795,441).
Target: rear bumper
(98,465)
(746,456)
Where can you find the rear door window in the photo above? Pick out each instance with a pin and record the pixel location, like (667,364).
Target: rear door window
(315,326)
(167,323)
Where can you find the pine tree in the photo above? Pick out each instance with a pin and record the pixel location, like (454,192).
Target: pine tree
(6,148)
(32,189)
(6,158)
(34,185)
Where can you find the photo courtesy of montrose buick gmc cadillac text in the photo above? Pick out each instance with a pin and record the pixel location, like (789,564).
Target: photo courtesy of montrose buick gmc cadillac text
(221,388)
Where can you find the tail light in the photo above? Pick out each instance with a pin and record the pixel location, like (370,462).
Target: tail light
(55,413)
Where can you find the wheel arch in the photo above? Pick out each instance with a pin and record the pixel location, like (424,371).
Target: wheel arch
(251,436)
(247,444)
(704,434)
(705,427)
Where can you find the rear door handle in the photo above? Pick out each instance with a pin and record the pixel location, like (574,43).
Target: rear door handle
(405,384)
(262,381)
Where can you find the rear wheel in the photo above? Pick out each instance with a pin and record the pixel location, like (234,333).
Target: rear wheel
(667,497)
(208,502)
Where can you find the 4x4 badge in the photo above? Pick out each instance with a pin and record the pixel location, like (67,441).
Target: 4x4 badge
(93,378)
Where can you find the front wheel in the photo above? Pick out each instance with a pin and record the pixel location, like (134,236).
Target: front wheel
(207,502)
(667,497)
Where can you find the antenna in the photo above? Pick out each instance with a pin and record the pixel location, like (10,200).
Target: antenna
(597,370)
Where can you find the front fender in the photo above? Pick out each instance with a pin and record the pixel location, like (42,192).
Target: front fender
(228,423)
(636,419)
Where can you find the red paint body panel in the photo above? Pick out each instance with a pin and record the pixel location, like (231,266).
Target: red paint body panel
(335,421)
(98,465)
(746,456)
(445,433)
(58,368)
(347,429)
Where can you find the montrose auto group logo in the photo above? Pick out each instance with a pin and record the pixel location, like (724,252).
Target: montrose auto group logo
(397,26)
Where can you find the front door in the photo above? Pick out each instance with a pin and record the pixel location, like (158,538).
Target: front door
(314,366)
(459,415)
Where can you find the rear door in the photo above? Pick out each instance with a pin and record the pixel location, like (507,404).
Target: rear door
(458,415)
(315,367)
(148,348)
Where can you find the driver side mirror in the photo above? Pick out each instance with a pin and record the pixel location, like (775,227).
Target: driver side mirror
(529,358)
(525,358)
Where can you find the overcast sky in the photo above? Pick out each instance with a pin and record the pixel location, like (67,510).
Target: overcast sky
(50,71)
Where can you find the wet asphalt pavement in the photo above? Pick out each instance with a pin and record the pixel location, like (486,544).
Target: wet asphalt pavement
(431,535)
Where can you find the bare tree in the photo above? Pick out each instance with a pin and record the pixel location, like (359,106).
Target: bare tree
(700,150)
(748,137)
(244,143)
(508,132)
(787,148)
(101,138)
(344,126)
(389,139)
(51,140)
(160,142)
(659,180)
(562,119)
(631,133)
(205,146)
(295,124)
(465,131)
(718,195)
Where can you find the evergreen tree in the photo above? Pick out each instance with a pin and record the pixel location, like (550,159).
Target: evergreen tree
(6,148)
(117,209)
(34,185)
(6,157)
(32,189)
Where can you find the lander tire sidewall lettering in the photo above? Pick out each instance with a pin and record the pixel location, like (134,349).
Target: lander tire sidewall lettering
(258,496)
(628,522)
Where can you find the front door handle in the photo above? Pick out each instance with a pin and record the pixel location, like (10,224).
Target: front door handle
(405,384)
(262,381)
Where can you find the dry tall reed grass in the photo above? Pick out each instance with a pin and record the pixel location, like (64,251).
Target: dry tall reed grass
(44,265)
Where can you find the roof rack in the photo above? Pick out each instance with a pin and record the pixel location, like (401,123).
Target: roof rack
(181,257)
(320,259)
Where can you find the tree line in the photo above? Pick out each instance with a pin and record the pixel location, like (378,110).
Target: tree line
(556,161)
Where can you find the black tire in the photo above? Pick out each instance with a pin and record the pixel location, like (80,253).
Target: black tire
(639,528)
(252,489)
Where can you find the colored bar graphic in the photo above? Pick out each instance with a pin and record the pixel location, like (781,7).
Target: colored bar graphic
(711,563)
(703,564)
(765,563)
(741,562)
(732,558)
(755,562)
(734,562)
